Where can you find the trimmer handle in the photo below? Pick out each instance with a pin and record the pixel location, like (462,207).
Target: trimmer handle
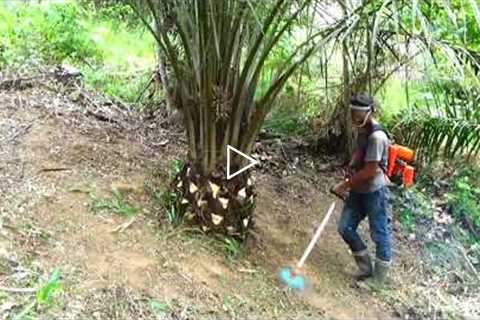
(340,196)
(317,235)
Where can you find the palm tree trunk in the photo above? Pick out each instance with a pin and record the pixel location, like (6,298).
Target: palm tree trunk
(162,72)
(346,124)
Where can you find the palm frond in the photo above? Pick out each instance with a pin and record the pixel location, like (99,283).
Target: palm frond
(476,10)
(450,129)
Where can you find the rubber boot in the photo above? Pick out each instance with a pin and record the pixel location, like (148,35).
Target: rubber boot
(379,281)
(364,263)
(380,273)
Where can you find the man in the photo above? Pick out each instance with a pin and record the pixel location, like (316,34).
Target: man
(368,193)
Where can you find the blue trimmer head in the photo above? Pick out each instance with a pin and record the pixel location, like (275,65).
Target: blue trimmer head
(292,280)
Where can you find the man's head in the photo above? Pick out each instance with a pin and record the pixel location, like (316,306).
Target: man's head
(362,106)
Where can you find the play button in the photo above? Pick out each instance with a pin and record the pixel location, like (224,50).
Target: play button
(251,162)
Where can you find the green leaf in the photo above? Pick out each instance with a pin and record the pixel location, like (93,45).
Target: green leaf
(45,294)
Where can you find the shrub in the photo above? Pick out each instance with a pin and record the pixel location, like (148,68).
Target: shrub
(65,36)
(464,201)
(289,117)
(413,206)
(50,34)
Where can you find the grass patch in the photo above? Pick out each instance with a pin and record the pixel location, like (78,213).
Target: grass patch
(172,205)
(443,210)
(45,298)
(231,248)
(46,294)
(128,58)
(116,204)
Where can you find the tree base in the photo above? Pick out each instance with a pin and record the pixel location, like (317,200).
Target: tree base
(214,203)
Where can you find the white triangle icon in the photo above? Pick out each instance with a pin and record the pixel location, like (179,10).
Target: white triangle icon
(251,160)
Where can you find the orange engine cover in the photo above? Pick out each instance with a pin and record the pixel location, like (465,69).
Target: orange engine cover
(398,158)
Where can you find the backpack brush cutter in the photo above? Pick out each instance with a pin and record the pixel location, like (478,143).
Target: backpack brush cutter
(292,278)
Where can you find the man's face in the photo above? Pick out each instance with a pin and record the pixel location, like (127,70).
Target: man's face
(359,117)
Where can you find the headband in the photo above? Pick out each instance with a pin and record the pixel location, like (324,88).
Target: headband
(361,107)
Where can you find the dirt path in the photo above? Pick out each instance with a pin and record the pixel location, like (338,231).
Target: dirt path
(53,170)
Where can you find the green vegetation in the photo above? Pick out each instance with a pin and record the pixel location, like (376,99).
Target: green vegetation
(115,56)
(172,205)
(446,123)
(440,216)
(231,247)
(169,202)
(116,204)
(413,206)
(444,199)
(50,34)
(46,294)
(159,307)
(128,56)
(464,200)
(45,297)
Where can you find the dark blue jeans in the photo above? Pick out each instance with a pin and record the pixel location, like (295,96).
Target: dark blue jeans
(375,206)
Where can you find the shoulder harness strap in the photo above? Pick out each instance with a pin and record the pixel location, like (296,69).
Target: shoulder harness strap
(378,127)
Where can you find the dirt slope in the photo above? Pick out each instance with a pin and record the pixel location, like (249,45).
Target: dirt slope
(55,166)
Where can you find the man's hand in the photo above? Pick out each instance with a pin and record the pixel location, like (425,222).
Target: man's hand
(368,172)
(341,189)
(347,172)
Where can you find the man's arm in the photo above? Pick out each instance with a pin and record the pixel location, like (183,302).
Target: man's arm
(368,172)
(372,158)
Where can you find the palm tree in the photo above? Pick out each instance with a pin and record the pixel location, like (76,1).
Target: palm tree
(217,51)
